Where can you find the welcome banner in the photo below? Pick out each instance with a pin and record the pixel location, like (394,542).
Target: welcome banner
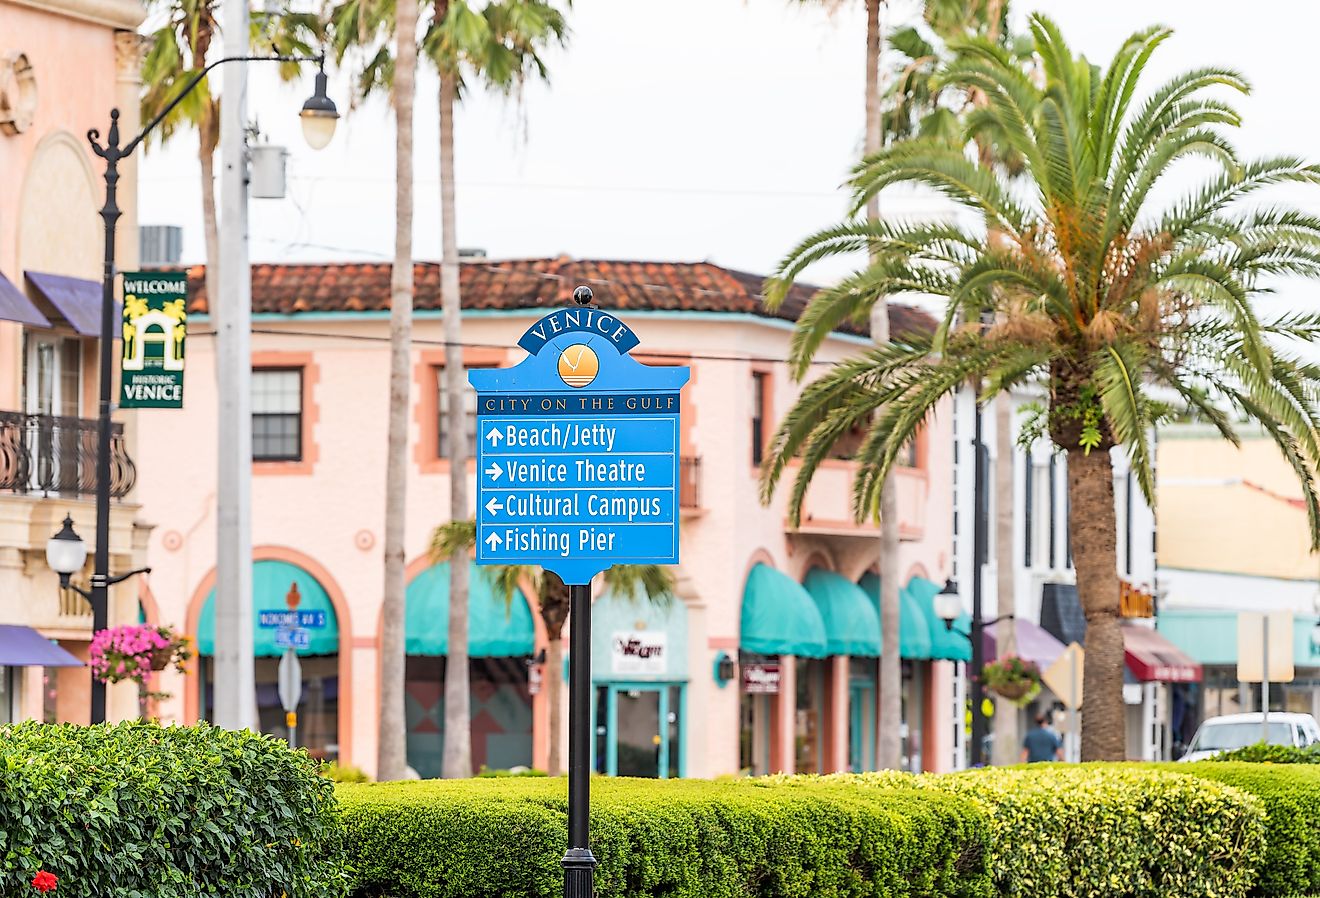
(154,331)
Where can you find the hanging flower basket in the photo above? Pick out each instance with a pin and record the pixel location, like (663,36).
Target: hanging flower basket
(1014,678)
(136,652)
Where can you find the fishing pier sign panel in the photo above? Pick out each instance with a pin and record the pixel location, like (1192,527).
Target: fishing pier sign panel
(577,451)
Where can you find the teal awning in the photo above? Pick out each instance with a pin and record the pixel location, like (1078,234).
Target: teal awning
(271,580)
(494,629)
(945,644)
(852,625)
(1210,636)
(779,616)
(913,631)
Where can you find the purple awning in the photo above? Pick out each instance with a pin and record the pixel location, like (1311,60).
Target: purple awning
(76,300)
(1033,643)
(14,306)
(24,647)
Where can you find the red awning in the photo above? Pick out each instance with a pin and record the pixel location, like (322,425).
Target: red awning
(1151,657)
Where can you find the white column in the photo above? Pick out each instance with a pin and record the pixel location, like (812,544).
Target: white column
(234,675)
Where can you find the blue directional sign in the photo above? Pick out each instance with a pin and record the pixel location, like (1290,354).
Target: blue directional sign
(284,618)
(293,638)
(577,451)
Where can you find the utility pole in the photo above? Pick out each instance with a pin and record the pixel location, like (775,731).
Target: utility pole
(235,679)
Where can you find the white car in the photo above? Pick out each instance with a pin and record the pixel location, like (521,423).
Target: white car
(1220,734)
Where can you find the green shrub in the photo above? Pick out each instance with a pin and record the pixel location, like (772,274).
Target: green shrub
(1272,754)
(1106,831)
(487,773)
(136,809)
(679,839)
(1290,794)
(333,771)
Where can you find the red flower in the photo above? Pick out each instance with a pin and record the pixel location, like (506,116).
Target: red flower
(44,882)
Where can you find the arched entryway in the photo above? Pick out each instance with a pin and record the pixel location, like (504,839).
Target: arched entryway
(501,637)
(319,712)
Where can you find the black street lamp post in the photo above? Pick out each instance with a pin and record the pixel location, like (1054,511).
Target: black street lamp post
(318,115)
(947,607)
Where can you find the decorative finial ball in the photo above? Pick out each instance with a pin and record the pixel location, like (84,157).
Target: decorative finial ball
(582,295)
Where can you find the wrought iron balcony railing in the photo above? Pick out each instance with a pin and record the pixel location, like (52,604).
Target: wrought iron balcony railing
(53,455)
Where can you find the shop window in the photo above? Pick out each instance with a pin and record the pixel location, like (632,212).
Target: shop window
(754,719)
(8,697)
(809,717)
(277,414)
(318,712)
(501,713)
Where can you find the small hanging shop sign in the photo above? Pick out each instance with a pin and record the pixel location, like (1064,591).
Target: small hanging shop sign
(761,678)
(154,329)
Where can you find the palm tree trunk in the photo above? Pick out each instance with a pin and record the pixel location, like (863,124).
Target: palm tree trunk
(1005,749)
(554,689)
(392,755)
(1095,555)
(458,716)
(889,746)
(210,230)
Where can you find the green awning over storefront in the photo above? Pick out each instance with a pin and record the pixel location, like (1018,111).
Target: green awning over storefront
(494,629)
(1210,636)
(913,630)
(271,580)
(852,624)
(945,644)
(779,617)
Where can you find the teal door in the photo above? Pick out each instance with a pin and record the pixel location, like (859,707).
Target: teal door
(861,725)
(639,729)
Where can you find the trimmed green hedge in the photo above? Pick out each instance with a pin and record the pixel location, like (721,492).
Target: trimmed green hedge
(135,809)
(1290,794)
(1272,754)
(679,839)
(1096,831)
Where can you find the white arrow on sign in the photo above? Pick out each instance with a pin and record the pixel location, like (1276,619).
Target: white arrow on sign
(492,506)
(495,436)
(494,541)
(494,471)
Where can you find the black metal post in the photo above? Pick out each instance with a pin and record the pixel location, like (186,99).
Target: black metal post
(110,212)
(579,863)
(979,552)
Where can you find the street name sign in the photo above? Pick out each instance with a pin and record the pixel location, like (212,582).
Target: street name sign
(293,638)
(578,451)
(280,618)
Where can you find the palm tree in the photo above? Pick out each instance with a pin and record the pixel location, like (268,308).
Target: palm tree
(178,50)
(625,581)
(1124,309)
(498,44)
(392,760)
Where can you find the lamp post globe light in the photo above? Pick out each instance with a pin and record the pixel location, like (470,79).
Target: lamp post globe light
(319,117)
(66,552)
(947,604)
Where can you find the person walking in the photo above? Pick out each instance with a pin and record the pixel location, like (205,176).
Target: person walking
(1042,743)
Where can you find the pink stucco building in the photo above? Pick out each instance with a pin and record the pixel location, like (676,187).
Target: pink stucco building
(750,590)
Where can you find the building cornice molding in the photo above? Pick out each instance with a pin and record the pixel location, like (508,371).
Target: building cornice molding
(127,14)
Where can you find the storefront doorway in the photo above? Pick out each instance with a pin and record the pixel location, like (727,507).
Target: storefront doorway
(638,729)
(861,714)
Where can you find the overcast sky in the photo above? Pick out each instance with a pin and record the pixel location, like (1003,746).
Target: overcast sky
(682,130)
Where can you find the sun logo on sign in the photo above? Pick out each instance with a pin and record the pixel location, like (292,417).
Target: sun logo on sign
(578,365)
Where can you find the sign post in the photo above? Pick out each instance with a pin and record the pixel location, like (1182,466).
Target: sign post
(293,631)
(578,464)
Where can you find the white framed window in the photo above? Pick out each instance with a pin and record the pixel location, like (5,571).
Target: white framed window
(277,409)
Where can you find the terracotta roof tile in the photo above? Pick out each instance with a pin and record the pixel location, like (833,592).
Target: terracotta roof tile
(527,284)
